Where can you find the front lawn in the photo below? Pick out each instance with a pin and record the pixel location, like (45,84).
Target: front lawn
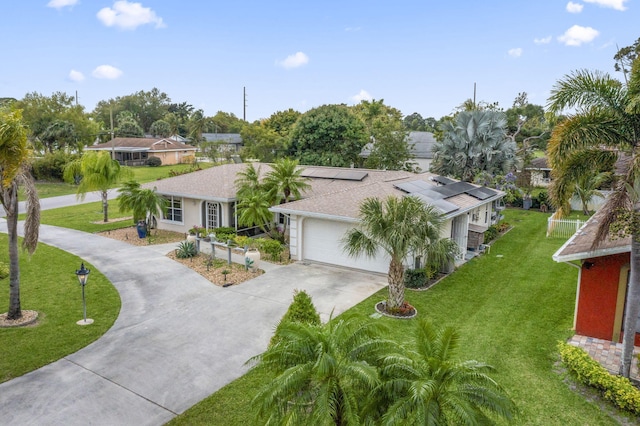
(49,285)
(511,307)
(85,217)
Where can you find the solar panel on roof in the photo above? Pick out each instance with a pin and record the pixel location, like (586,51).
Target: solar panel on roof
(407,187)
(442,205)
(443,180)
(352,175)
(432,194)
(482,193)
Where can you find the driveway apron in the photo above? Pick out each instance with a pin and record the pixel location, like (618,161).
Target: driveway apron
(178,337)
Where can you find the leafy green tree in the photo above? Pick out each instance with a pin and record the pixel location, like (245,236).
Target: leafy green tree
(58,135)
(144,203)
(607,115)
(97,172)
(474,142)
(249,181)
(625,57)
(227,122)
(14,164)
(146,107)
(399,227)
(323,373)
(160,128)
(329,135)
(389,147)
(426,385)
(282,122)
(261,143)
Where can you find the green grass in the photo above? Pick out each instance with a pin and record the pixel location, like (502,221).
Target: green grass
(141,174)
(511,308)
(49,285)
(84,217)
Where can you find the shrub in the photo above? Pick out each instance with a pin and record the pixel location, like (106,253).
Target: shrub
(186,250)
(490,234)
(225,233)
(4,270)
(272,248)
(301,310)
(616,389)
(415,278)
(244,241)
(153,162)
(51,166)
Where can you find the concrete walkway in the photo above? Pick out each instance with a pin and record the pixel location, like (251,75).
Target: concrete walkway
(178,338)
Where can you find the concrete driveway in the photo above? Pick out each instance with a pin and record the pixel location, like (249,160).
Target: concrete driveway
(178,338)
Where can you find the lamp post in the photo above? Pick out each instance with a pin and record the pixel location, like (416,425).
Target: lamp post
(83,275)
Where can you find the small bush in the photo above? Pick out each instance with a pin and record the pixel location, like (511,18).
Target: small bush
(491,234)
(153,162)
(51,166)
(186,250)
(415,278)
(4,270)
(225,233)
(272,248)
(301,310)
(616,389)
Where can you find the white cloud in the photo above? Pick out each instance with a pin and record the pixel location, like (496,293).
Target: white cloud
(613,4)
(362,96)
(76,75)
(128,16)
(59,4)
(296,60)
(577,35)
(106,72)
(352,29)
(574,7)
(544,40)
(515,52)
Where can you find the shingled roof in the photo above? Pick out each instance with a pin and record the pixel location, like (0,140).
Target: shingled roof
(579,245)
(142,144)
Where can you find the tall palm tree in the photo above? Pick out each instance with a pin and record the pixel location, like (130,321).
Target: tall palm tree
(426,385)
(144,203)
(475,141)
(399,227)
(98,172)
(14,156)
(323,373)
(253,209)
(586,188)
(248,180)
(607,119)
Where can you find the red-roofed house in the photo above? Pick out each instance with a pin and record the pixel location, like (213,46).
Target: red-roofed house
(135,151)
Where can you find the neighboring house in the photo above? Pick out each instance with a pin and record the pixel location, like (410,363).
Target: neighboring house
(319,220)
(135,151)
(540,172)
(602,282)
(420,147)
(229,142)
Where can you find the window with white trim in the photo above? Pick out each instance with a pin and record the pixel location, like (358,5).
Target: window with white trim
(174,209)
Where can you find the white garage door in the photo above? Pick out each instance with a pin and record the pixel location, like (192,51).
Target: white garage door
(321,243)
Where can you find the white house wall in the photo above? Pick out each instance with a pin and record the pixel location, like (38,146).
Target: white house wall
(192,215)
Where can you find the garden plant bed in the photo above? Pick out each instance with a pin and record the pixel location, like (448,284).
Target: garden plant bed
(237,273)
(130,235)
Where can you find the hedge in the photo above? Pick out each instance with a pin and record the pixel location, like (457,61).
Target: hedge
(616,389)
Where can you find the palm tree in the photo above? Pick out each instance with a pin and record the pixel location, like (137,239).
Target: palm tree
(98,172)
(587,187)
(425,385)
(323,373)
(144,203)
(474,142)
(248,180)
(14,156)
(253,209)
(607,119)
(399,227)
(285,180)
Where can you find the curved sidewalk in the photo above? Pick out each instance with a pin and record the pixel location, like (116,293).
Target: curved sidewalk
(178,338)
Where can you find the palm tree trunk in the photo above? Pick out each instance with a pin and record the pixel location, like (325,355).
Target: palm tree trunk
(105,206)
(396,284)
(632,308)
(11,199)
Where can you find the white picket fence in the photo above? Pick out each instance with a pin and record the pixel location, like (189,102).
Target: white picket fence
(563,227)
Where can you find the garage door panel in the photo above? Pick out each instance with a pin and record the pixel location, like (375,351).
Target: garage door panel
(322,243)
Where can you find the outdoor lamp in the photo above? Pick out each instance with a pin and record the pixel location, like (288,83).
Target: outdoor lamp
(83,275)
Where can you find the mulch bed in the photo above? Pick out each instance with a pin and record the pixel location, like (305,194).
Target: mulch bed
(237,273)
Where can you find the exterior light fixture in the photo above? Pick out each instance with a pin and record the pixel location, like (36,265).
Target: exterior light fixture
(83,276)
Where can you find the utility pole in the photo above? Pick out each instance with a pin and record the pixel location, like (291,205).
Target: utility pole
(113,148)
(474,95)
(244,103)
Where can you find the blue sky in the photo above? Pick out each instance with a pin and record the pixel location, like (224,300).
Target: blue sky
(419,56)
